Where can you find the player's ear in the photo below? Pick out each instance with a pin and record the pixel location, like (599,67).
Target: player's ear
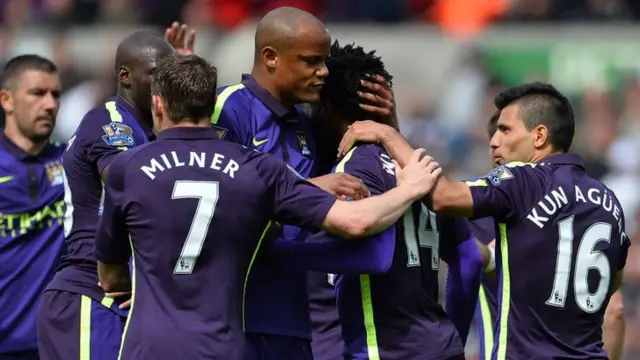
(270,57)
(124,76)
(540,136)
(6,100)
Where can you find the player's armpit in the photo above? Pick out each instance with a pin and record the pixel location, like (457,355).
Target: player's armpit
(114,277)
(613,328)
(617,280)
(450,198)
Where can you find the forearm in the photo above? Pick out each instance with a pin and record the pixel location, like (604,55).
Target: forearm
(328,253)
(397,146)
(355,219)
(114,278)
(463,284)
(613,328)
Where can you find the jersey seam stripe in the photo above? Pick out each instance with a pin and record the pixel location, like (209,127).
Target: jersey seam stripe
(114,114)
(341,165)
(369,319)
(85,328)
(487,324)
(246,278)
(133,299)
(222,99)
(505,302)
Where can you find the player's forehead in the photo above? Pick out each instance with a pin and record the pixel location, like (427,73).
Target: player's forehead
(312,41)
(31,79)
(509,116)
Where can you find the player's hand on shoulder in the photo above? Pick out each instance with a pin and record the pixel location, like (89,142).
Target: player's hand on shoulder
(380,99)
(419,175)
(365,131)
(343,185)
(181,39)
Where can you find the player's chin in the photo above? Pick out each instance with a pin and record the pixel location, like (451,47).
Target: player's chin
(43,129)
(311,96)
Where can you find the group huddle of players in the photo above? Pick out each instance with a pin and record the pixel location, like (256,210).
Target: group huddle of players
(226,197)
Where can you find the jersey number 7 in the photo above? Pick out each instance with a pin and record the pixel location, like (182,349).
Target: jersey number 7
(207,193)
(587,258)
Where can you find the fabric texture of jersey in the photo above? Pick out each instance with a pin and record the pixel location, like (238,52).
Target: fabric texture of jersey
(198,197)
(276,299)
(396,315)
(560,243)
(31,238)
(105,131)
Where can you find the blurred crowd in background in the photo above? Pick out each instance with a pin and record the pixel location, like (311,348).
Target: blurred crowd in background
(445,110)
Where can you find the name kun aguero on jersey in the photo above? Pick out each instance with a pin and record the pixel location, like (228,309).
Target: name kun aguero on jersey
(557,198)
(202,160)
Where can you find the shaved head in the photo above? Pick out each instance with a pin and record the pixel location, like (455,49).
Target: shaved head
(140,46)
(282,25)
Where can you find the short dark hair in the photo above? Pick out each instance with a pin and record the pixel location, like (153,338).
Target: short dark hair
(492,127)
(542,104)
(347,66)
(187,85)
(21,63)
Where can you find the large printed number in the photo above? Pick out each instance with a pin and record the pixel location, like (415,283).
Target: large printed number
(207,194)
(587,258)
(68,212)
(424,234)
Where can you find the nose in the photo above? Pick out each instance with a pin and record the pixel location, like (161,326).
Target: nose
(495,141)
(323,72)
(51,102)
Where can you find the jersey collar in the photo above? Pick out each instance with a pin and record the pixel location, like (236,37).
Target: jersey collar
(136,114)
(20,154)
(191,132)
(563,159)
(266,98)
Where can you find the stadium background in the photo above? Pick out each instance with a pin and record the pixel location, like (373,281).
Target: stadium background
(449,58)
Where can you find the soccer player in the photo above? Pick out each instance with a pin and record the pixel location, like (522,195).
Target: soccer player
(259,113)
(76,320)
(31,199)
(561,237)
(190,262)
(393,315)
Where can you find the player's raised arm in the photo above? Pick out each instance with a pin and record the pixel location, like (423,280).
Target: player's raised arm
(112,248)
(299,202)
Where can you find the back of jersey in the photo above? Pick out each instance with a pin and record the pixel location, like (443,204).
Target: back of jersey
(194,208)
(561,260)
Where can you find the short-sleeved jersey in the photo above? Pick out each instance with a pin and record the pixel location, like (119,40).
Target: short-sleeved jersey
(104,132)
(276,300)
(560,242)
(195,208)
(396,315)
(483,229)
(31,238)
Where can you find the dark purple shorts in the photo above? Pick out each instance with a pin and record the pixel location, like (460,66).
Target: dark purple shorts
(274,347)
(73,327)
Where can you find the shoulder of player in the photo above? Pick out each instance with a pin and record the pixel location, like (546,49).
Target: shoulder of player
(364,155)
(95,120)
(234,98)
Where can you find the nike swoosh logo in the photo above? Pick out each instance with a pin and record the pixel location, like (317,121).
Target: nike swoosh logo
(4,179)
(258,143)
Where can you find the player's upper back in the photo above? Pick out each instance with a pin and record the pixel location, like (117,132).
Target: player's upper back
(105,131)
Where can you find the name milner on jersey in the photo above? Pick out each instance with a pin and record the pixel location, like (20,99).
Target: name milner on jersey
(557,198)
(202,160)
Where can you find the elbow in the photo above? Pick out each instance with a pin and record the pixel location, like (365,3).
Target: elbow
(355,227)
(107,283)
(615,309)
(381,266)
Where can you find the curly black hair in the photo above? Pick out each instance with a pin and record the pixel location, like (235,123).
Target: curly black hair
(348,65)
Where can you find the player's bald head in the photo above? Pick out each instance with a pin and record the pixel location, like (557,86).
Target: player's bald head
(141,46)
(279,26)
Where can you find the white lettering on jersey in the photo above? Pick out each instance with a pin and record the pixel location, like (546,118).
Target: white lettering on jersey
(387,165)
(173,160)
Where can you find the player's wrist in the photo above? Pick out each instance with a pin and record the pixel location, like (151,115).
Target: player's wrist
(386,134)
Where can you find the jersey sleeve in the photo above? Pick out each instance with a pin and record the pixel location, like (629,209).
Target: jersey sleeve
(507,192)
(112,237)
(103,136)
(453,232)
(292,199)
(231,117)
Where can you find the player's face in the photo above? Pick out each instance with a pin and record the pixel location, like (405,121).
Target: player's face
(141,77)
(33,103)
(512,141)
(301,69)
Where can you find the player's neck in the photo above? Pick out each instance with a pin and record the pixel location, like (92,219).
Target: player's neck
(145,115)
(27,145)
(541,154)
(266,83)
(201,123)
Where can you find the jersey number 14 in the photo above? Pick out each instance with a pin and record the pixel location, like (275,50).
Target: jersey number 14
(587,258)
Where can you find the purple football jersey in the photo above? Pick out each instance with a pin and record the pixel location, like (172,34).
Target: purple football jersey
(105,131)
(194,208)
(396,315)
(560,243)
